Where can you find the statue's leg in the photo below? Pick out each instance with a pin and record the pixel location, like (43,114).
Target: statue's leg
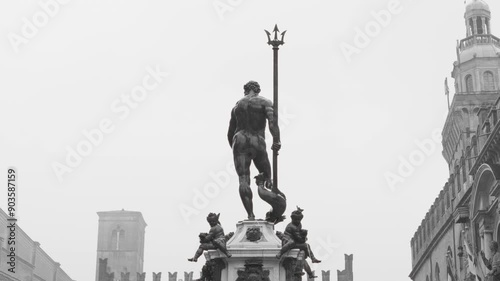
(261,160)
(264,166)
(242,161)
(287,247)
(222,247)
(198,254)
(308,270)
(311,254)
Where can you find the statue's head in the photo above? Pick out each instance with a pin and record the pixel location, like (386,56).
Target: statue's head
(251,86)
(494,246)
(213,219)
(297,215)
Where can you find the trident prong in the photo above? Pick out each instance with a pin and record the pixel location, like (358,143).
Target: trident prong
(276,30)
(283,36)
(275,42)
(268,37)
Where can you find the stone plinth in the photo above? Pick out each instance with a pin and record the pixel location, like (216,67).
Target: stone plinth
(253,247)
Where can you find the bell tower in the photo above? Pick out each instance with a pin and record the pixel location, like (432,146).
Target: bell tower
(477,68)
(121,242)
(477,74)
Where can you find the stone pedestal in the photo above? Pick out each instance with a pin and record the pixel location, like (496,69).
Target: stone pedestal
(254,247)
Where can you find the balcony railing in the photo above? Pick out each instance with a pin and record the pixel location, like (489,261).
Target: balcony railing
(477,40)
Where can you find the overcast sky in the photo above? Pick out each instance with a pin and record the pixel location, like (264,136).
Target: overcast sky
(353,113)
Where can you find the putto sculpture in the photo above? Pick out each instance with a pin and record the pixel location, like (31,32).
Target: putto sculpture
(246,136)
(295,237)
(214,239)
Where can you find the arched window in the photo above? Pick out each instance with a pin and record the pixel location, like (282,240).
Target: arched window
(479,25)
(437,272)
(489,81)
(469,86)
(117,239)
(427,278)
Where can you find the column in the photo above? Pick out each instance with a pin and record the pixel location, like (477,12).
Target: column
(483,24)
(474,28)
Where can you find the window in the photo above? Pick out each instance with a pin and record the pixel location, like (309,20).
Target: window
(437,272)
(468,156)
(479,25)
(452,186)
(469,87)
(474,146)
(457,179)
(447,195)
(442,205)
(464,170)
(117,239)
(489,81)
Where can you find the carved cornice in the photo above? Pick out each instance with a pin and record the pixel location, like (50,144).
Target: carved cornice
(461,214)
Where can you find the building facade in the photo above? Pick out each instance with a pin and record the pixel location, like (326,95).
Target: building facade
(464,218)
(32,263)
(120,244)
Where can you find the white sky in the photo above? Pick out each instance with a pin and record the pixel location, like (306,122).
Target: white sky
(352,122)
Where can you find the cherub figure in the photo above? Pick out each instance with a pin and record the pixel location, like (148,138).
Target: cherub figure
(295,237)
(214,239)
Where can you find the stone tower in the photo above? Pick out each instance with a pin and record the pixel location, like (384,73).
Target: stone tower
(121,241)
(477,67)
(346,274)
(477,74)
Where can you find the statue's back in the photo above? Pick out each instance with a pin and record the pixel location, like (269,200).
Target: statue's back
(250,114)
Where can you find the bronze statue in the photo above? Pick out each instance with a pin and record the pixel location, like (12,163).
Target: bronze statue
(246,136)
(214,239)
(493,264)
(295,237)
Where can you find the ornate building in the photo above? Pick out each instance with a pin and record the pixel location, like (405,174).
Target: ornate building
(120,245)
(32,262)
(464,217)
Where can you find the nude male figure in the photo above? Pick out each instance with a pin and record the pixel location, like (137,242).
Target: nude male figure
(246,136)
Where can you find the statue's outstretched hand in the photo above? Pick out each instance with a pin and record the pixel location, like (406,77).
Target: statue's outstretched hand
(276,146)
